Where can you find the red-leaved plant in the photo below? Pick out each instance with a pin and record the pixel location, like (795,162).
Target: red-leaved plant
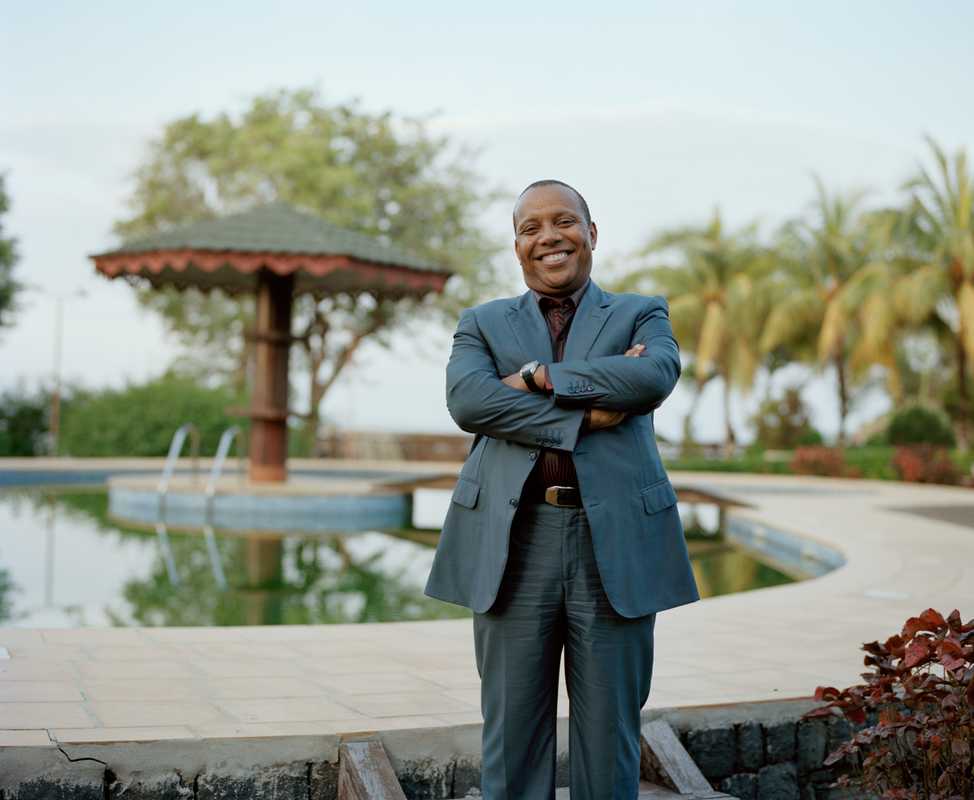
(925,463)
(819,460)
(922,689)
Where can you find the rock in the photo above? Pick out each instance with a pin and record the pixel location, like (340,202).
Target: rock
(743,785)
(811,745)
(778,782)
(779,742)
(713,750)
(750,747)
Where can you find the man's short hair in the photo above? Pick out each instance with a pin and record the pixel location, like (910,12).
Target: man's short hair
(553,182)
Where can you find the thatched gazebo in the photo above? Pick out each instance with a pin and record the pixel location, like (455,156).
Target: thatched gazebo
(276,252)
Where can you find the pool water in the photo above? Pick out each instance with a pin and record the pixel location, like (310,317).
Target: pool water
(65,563)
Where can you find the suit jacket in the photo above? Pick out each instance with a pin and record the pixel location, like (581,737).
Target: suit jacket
(636,530)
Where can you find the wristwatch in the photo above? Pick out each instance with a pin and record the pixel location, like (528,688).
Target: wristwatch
(527,375)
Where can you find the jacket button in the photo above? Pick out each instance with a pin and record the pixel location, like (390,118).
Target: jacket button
(533,455)
(513,501)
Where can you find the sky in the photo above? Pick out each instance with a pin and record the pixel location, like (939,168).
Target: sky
(658,112)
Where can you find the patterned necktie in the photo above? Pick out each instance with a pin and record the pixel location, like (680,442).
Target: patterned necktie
(558,314)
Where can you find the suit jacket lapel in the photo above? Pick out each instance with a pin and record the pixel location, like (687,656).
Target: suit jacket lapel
(530,329)
(590,316)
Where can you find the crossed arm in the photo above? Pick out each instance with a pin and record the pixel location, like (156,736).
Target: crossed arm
(637,382)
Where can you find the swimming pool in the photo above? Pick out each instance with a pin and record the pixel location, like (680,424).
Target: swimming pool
(65,563)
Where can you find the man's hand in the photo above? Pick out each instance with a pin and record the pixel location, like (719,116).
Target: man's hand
(599,418)
(515,381)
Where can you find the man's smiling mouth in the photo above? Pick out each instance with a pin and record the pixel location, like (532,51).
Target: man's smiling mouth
(555,258)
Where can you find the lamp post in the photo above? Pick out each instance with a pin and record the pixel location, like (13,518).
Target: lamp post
(59,298)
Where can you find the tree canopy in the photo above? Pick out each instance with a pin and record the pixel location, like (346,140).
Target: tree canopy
(379,174)
(8,260)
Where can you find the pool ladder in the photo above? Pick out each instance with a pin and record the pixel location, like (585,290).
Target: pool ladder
(190,431)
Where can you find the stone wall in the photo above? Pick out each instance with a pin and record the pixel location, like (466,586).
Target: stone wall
(779,760)
(753,751)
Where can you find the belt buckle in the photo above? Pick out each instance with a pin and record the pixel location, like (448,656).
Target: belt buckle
(552,496)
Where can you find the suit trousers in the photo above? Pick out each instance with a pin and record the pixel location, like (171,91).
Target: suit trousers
(551,598)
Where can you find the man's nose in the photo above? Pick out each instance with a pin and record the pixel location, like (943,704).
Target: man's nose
(550,234)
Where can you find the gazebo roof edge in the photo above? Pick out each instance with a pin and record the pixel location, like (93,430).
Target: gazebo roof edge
(276,228)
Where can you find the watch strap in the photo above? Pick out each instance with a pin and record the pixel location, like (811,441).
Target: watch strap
(527,375)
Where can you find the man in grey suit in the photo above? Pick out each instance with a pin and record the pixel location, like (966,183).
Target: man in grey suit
(563,530)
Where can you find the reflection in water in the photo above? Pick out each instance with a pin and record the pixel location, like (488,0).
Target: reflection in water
(273,580)
(719,566)
(111,574)
(7,588)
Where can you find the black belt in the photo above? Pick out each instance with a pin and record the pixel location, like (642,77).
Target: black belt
(561,496)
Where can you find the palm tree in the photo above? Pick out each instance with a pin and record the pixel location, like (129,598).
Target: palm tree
(830,308)
(714,282)
(939,239)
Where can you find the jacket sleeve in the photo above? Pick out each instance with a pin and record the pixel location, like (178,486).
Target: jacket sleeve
(622,383)
(480,402)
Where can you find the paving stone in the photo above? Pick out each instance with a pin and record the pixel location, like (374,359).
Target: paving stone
(713,751)
(750,747)
(812,737)
(743,785)
(778,782)
(779,742)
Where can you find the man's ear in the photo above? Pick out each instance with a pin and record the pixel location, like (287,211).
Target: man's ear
(593,233)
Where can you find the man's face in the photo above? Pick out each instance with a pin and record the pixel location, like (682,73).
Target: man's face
(553,241)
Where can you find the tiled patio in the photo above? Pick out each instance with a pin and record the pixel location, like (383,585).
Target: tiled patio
(138,685)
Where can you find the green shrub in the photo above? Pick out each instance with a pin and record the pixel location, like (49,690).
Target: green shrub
(140,420)
(783,423)
(919,425)
(23,423)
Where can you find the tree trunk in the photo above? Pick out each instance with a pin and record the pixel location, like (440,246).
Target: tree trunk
(963,392)
(839,362)
(689,443)
(320,386)
(730,440)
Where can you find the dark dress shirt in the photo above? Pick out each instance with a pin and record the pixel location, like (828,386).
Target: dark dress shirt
(555,467)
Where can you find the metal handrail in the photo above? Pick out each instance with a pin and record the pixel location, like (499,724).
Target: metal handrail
(222,450)
(175,448)
(167,554)
(213,552)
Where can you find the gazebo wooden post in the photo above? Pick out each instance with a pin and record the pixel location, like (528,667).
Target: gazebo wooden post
(268,413)
(271,246)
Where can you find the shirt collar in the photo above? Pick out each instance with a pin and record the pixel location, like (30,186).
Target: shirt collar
(576,296)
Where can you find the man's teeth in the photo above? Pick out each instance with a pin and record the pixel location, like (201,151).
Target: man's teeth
(554,258)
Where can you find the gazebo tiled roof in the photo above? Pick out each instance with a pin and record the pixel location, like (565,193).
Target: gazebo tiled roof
(228,252)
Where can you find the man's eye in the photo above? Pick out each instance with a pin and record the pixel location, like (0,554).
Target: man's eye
(566,221)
